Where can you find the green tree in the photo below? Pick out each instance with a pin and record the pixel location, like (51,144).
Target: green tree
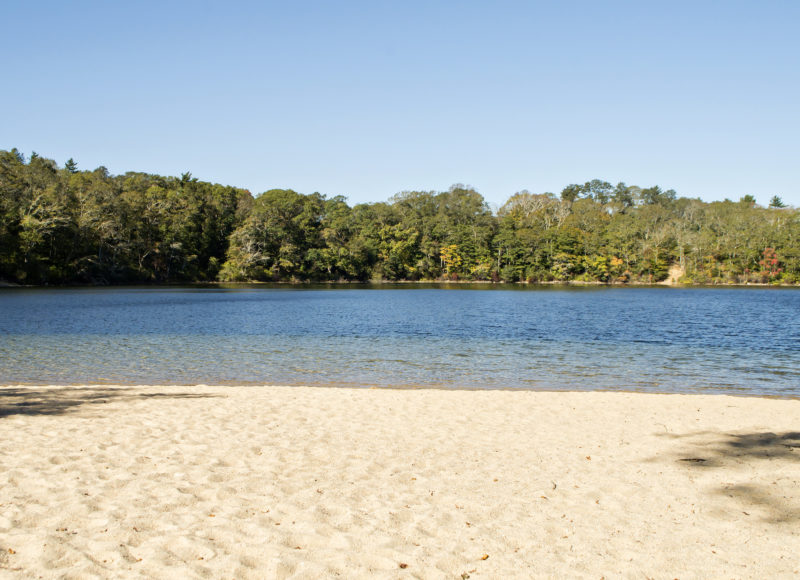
(748,200)
(274,241)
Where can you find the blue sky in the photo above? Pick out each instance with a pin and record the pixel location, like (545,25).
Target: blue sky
(366,99)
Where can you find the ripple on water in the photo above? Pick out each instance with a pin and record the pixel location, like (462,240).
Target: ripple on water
(700,340)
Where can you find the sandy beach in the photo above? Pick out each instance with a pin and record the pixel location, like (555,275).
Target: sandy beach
(299,482)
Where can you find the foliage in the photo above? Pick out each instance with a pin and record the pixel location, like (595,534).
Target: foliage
(66,225)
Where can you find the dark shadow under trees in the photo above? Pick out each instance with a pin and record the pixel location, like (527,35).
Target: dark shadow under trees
(63,400)
(778,500)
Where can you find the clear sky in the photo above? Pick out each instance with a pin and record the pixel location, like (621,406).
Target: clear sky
(366,99)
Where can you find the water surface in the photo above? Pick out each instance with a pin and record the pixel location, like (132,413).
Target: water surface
(742,341)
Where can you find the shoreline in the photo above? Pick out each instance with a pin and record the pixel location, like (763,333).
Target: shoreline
(371,387)
(251,482)
(421,283)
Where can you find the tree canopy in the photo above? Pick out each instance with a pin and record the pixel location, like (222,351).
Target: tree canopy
(63,225)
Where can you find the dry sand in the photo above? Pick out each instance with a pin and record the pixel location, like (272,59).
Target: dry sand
(276,482)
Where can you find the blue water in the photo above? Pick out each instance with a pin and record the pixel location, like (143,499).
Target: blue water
(742,341)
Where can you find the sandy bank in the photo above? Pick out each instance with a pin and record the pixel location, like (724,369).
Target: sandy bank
(272,482)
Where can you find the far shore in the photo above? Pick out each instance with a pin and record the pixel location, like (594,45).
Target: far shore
(308,482)
(410,283)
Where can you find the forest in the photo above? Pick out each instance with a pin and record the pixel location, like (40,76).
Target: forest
(63,225)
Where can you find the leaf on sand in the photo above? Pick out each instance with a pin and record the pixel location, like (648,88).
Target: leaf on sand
(485,557)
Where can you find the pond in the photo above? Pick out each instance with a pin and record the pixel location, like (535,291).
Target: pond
(731,340)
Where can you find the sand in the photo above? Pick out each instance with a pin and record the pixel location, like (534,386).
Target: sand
(297,482)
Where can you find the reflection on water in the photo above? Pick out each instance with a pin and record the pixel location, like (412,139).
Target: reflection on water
(742,341)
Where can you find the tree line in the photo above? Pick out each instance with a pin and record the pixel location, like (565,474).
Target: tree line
(62,225)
